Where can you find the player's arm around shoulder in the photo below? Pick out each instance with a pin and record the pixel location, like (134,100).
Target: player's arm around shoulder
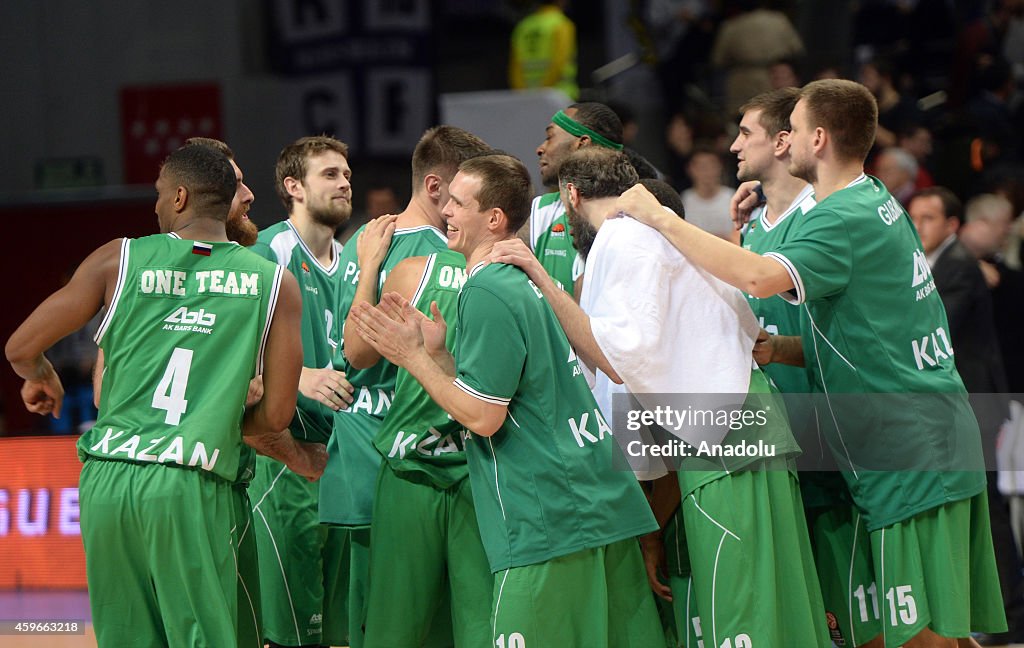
(574,321)
(403,279)
(265,424)
(752,273)
(62,313)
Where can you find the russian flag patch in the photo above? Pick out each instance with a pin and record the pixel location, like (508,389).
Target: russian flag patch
(199,247)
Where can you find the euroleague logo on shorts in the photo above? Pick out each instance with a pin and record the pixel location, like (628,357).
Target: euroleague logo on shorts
(833,629)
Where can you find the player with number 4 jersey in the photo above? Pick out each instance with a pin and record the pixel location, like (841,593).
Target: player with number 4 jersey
(189,321)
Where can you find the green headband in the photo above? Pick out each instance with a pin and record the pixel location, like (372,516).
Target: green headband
(573,127)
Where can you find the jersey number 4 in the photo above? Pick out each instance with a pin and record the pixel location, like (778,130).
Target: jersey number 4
(170,392)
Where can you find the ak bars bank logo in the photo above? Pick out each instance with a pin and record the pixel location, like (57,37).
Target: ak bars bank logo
(197,321)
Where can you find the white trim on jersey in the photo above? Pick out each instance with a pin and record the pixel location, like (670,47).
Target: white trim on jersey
(497,487)
(421,228)
(270,534)
(552,211)
(497,604)
(477,268)
(824,387)
(714,591)
(513,419)
(689,608)
(713,520)
(814,325)
(856,181)
(794,275)
(798,202)
(245,588)
(496,400)
(849,581)
(679,553)
(881,585)
(298,415)
(714,572)
(282,244)
(501,504)
(275,292)
(284,576)
(335,249)
(423,281)
(122,275)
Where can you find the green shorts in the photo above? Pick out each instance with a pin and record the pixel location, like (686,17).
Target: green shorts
(354,582)
(685,620)
(158,555)
(684,610)
(842,553)
(937,570)
(243,541)
(350,478)
(300,560)
(750,557)
(595,598)
(677,557)
(426,546)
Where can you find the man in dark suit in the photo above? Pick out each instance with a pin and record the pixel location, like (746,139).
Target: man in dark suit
(988,227)
(937,214)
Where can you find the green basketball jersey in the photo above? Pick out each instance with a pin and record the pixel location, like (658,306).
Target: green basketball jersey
(353,461)
(375,386)
(551,240)
(182,338)
(543,484)
(776,315)
(877,326)
(417,435)
(282,244)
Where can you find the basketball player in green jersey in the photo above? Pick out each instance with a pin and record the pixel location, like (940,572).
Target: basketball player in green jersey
(422,491)
(638,291)
(854,263)
(243,231)
(548,233)
(354,463)
(558,523)
(301,562)
(190,318)
(762,149)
